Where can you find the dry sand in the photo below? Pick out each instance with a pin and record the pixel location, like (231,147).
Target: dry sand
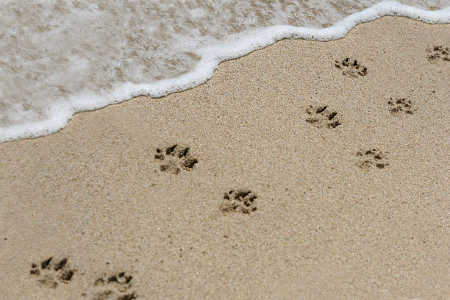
(333,220)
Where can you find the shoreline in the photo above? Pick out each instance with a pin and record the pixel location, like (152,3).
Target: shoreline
(346,170)
(205,68)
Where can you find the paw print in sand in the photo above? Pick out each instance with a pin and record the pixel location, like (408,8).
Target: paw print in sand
(372,158)
(51,272)
(321,116)
(351,67)
(114,287)
(175,158)
(401,105)
(439,53)
(240,201)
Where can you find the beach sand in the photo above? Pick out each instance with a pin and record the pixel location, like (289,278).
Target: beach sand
(348,170)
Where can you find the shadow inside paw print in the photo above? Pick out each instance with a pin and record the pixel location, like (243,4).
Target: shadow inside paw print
(51,272)
(114,287)
(175,158)
(321,116)
(401,105)
(240,201)
(351,67)
(439,53)
(372,158)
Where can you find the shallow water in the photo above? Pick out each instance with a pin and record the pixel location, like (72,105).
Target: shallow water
(60,57)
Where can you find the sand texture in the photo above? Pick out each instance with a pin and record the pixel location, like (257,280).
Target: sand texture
(306,170)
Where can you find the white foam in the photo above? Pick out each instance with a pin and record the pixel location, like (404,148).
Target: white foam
(59,106)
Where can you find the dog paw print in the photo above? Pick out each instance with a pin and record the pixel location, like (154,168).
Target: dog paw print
(351,67)
(321,116)
(175,158)
(243,201)
(372,158)
(401,105)
(114,287)
(439,53)
(51,272)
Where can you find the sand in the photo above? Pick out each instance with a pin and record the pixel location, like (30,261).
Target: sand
(349,188)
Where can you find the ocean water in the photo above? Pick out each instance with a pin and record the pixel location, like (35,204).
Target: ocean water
(59,57)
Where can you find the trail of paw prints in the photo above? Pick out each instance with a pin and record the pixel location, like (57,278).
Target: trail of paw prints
(114,287)
(372,158)
(242,200)
(438,53)
(175,158)
(401,105)
(351,67)
(52,272)
(322,116)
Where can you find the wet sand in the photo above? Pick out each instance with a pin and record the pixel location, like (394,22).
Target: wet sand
(335,172)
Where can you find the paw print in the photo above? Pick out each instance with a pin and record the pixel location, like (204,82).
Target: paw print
(321,116)
(372,158)
(439,53)
(175,158)
(351,67)
(239,200)
(51,272)
(114,287)
(401,105)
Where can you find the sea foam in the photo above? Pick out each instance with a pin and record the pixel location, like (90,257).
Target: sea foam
(61,57)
